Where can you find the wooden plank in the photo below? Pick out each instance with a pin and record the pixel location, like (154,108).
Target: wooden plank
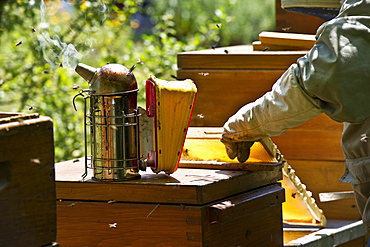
(222,92)
(237,57)
(258,46)
(185,186)
(27,187)
(123,224)
(322,176)
(228,166)
(287,39)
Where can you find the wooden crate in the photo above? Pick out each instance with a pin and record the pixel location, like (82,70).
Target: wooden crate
(192,207)
(27,186)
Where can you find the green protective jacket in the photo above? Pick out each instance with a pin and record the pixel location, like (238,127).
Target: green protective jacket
(332,78)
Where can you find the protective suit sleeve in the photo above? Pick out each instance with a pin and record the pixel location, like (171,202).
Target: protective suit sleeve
(286,106)
(335,72)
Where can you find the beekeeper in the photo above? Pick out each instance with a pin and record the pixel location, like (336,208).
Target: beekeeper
(332,78)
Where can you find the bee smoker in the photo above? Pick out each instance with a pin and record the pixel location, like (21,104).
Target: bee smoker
(113,121)
(125,138)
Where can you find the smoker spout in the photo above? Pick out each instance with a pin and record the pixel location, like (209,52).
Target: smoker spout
(85,71)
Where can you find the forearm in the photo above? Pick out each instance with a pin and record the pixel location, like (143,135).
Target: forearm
(286,106)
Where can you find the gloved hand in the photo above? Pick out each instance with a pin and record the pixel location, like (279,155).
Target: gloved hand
(241,150)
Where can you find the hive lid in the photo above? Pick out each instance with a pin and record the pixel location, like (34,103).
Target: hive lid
(8,117)
(237,57)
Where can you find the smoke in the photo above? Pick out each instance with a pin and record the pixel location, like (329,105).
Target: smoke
(55,52)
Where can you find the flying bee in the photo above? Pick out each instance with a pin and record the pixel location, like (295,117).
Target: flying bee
(286,29)
(203,73)
(218,25)
(364,138)
(18,43)
(113,225)
(35,161)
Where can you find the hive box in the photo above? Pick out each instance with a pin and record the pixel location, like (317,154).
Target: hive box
(27,185)
(191,207)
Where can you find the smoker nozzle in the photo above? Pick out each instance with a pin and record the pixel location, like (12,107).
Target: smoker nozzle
(85,71)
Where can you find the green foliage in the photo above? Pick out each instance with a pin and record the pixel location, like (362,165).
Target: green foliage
(36,74)
(240,21)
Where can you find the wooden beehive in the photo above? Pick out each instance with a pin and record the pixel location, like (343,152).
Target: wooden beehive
(27,185)
(191,207)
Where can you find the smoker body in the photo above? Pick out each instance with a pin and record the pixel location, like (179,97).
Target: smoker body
(113,133)
(113,121)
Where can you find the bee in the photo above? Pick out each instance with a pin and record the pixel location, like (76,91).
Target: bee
(266,49)
(76,87)
(18,43)
(218,25)
(139,61)
(226,51)
(203,73)
(61,65)
(364,138)
(286,29)
(33,30)
(36,161)
(113,225)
